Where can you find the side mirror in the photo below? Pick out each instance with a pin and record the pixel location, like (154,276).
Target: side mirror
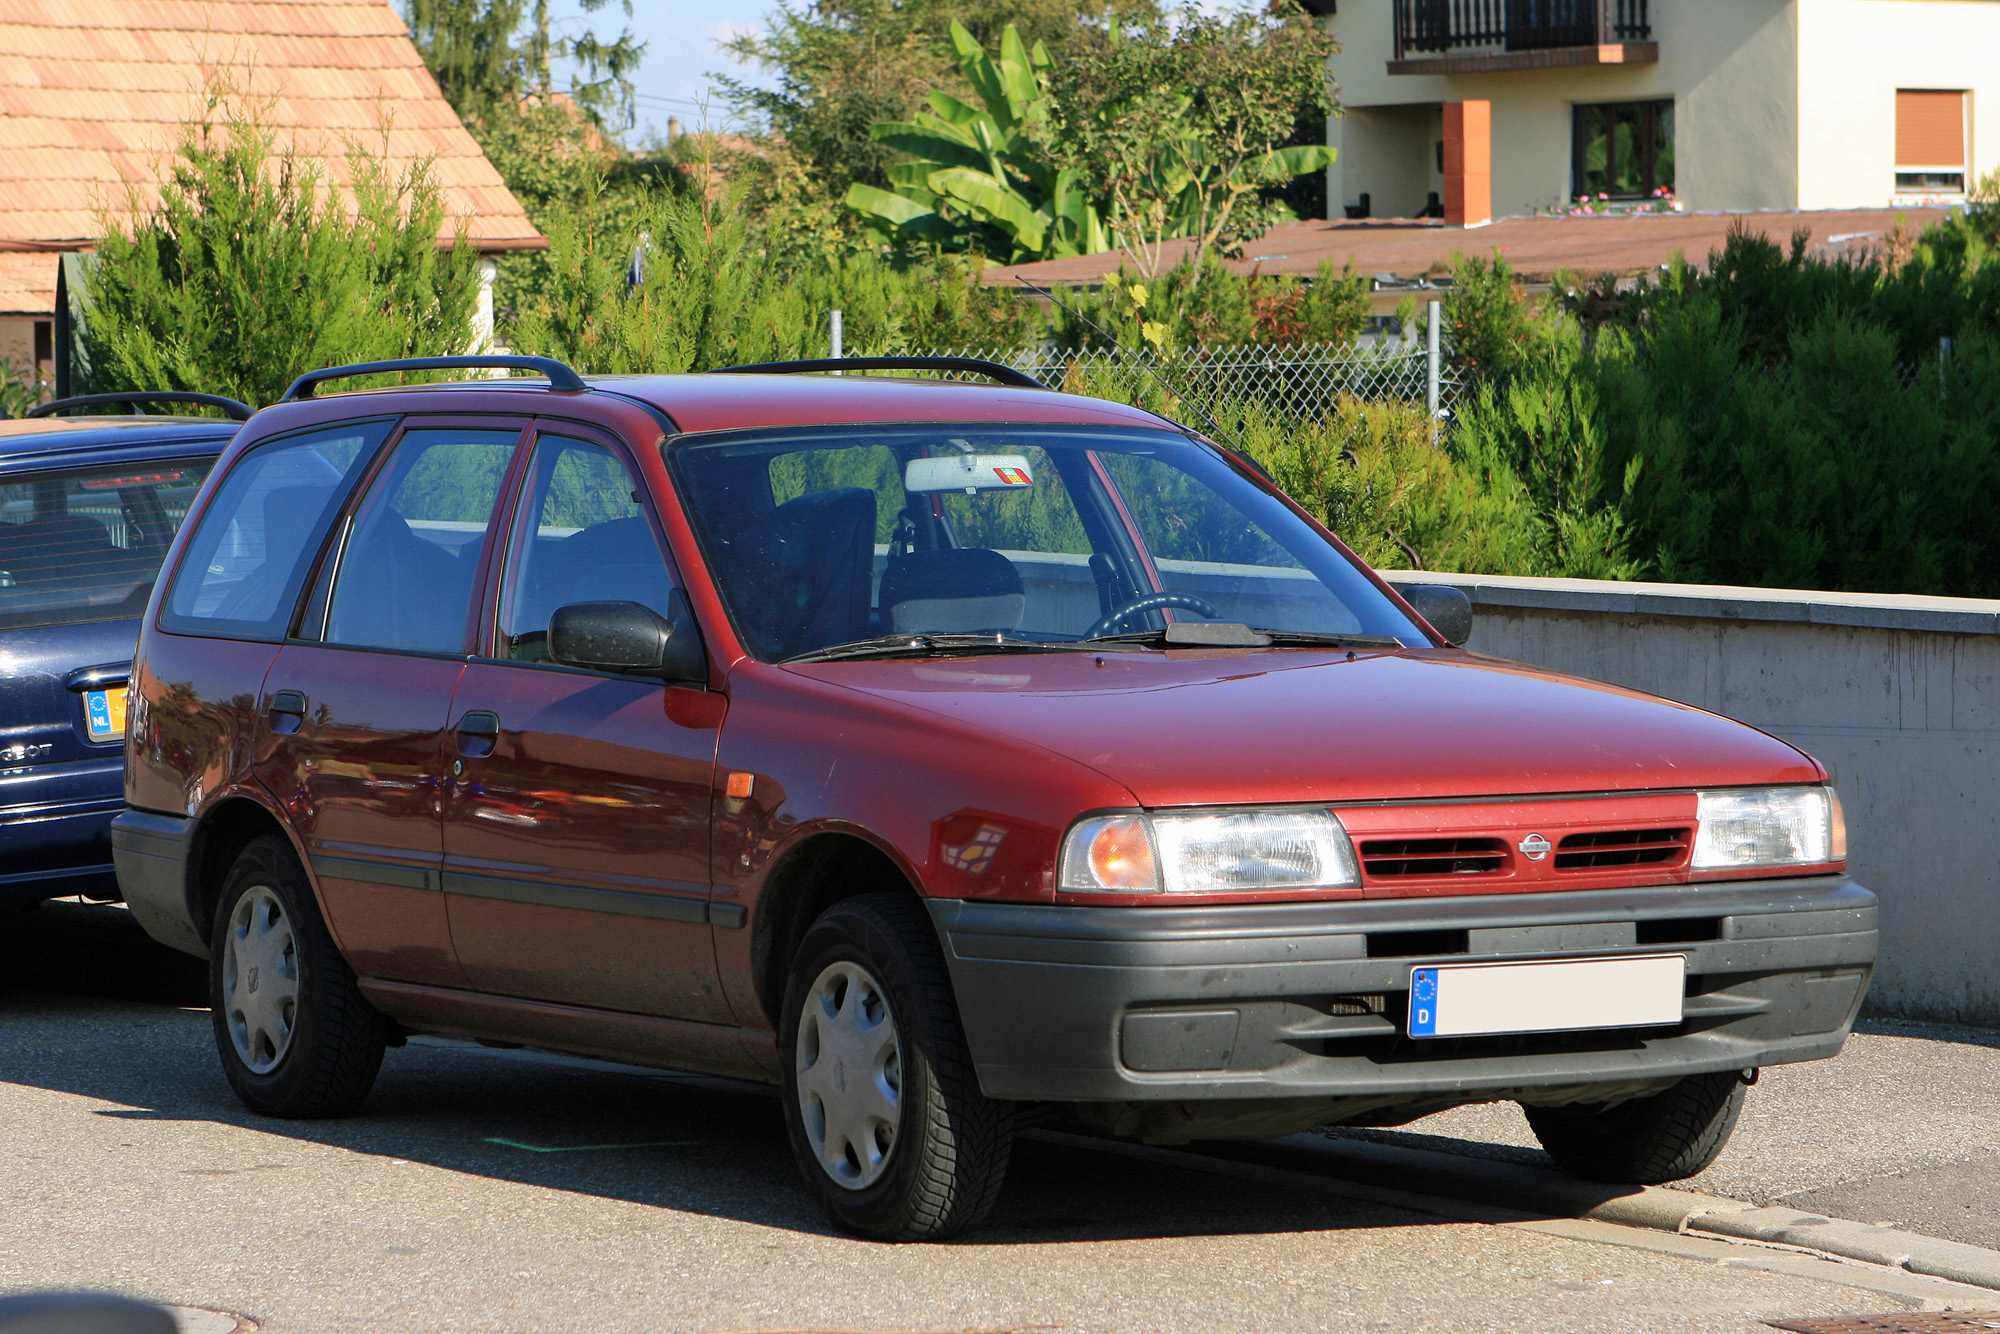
(1448,609)
(628,637)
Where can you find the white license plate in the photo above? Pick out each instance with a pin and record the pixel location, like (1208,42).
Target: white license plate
(1561,995)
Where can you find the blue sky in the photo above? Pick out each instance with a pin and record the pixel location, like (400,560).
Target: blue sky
(681,39)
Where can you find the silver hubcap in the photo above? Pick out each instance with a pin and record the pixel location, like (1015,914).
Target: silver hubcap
(849,1069)
(260,980)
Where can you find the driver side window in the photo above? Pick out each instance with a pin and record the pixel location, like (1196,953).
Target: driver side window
(580,535)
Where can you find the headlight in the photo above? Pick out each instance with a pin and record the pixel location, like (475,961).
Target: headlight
(1772,826)
(1208,853)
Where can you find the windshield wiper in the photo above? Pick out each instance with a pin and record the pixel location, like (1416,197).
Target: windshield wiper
(917,645)
(1235,634)
(1332,640)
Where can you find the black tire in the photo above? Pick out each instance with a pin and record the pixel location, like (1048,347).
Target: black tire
(1669,1136)
(941,1171)
(326,1060)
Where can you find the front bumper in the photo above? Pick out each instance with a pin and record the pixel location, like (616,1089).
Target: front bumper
(1308,1000)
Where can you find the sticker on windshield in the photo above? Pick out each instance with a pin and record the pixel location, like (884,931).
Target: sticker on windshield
(1013,477)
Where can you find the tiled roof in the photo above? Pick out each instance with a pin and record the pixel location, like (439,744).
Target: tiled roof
(93,94)
(1536,247)
(27,284)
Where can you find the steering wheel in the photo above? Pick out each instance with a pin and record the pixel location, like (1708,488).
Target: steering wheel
(1152,602)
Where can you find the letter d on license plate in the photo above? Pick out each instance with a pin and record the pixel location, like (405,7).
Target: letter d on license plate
(1557,996)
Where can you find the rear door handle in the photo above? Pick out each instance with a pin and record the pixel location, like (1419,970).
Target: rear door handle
(287,712)
(478,734)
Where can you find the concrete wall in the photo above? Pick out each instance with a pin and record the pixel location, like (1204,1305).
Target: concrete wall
(1854,55)
(1731,67)
(1898,696)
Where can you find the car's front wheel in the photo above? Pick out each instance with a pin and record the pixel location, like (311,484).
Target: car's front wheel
(885,1115)
(296,1037)
(1668,1136)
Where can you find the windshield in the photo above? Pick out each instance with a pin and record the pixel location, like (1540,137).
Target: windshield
(825,536)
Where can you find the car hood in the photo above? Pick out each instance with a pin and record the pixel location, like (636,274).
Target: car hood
(1190,727)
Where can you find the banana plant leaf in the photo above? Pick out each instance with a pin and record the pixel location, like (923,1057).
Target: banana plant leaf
(1024,224)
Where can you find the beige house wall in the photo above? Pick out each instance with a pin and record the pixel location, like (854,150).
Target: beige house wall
(1779,104)
(1854,55)
(17,339)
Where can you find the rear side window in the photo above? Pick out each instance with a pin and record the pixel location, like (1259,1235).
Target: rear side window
(241,572)
(85,544)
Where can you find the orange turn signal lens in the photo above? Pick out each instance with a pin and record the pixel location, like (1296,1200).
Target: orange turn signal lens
(1111,854)
(1121,856)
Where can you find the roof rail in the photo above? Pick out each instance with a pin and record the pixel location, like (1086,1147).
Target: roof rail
(235,410)
(561,377)
(991,369)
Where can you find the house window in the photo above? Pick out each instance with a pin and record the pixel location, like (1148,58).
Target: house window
(1624,149)
(1930,141)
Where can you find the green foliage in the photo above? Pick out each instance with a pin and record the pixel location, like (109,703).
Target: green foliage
(843,66)
(1185,129)
(1371,472)
(1201,302)
(1776,421)
(1488,322)
(250,270)
(559,168)
(491,56)
(20,389)
(712,298)
(976,178)
(1137,136)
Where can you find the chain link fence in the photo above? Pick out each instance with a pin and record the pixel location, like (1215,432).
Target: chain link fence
(1299,379)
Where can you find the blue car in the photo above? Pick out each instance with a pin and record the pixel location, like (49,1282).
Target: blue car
(88,506)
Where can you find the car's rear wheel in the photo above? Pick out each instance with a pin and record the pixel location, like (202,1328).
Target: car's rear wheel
(296,1037)
(1668,1136)
(885,1115)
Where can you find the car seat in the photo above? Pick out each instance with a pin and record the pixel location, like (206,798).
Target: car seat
(967,588)
(290,514)
(396,590)
(802,574)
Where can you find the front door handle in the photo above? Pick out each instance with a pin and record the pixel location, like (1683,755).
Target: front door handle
(287,712)
(478,733)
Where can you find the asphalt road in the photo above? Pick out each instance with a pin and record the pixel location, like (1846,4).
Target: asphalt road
(501,1191)
(1902,1129)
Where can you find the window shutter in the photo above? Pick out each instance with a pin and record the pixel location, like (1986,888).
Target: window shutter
(1930,129)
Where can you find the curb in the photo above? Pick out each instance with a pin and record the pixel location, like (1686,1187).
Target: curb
(1514,1186)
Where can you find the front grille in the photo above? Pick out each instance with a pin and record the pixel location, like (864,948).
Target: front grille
(1390,857)
(1621,847)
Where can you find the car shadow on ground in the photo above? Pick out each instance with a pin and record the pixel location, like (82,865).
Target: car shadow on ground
(90,1007)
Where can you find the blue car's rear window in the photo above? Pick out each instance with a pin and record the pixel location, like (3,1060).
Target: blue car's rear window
(81,544)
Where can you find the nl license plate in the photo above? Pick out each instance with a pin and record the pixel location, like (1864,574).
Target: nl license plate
(1561,995)
(104,710)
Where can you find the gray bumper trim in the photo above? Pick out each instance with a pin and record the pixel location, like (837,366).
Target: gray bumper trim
(1068,1003)
(150,851)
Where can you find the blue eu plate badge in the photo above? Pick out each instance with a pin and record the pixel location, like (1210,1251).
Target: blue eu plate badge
(1423,1002)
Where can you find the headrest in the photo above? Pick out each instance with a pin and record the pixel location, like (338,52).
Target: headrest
(965,572)
(294,509)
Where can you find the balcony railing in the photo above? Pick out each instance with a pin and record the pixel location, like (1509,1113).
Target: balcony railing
(1451,27)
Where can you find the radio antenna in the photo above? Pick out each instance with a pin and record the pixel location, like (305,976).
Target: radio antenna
(1185,397)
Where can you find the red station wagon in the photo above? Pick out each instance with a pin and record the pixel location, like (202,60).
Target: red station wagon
(953,755)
